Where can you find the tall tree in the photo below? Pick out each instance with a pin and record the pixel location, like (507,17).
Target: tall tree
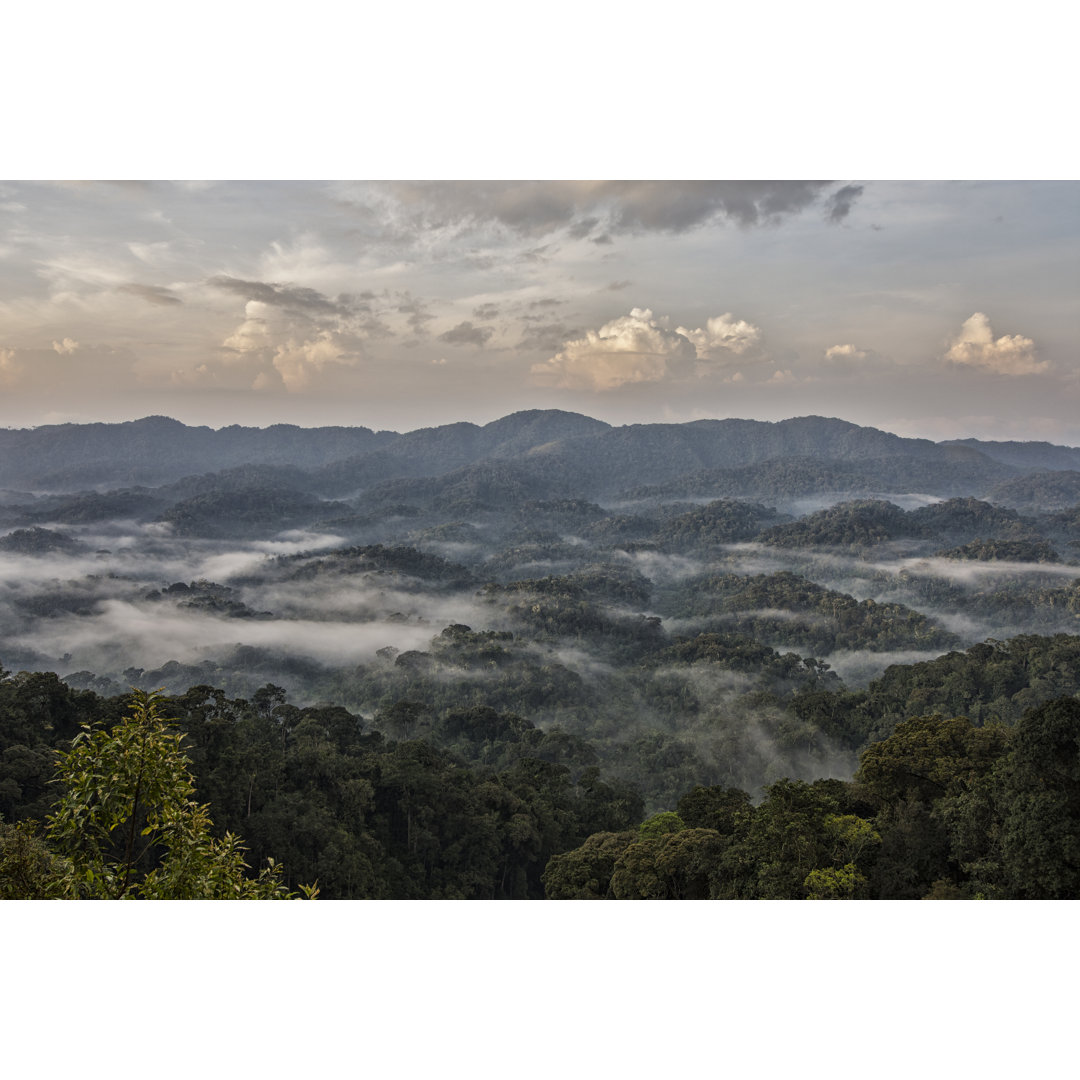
(127,824)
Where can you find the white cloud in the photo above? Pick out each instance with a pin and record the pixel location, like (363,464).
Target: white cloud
(633,348)
(642,347)
(845,353)
(297,362)
(65,347)
(781,378)
(1006,355)
(292,346)
(288,344)
(253,334)
(723,335)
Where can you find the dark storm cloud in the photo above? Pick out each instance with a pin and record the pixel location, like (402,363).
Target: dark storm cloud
(284,296)
(467,334)
(152,294)
(840,202)
(537,208)
(667,206)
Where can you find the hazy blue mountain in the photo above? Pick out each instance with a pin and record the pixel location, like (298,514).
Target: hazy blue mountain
(1026,455)
(537,454)
(156,450)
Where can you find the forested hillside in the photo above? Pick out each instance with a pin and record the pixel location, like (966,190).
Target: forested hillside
(546,657)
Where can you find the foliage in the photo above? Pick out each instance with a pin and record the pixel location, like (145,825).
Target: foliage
(660,825)
(28,869)
(127,824)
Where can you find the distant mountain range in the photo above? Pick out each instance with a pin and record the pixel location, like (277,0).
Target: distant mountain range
(532,454)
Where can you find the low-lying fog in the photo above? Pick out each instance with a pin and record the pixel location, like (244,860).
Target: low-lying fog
(108,608)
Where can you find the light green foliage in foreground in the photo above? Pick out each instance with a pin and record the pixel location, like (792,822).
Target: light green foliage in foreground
(127,824)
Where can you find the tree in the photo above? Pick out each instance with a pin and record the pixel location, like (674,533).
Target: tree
(585,873)
(127,825)
(660,824)
(28,870)
(1039,796)
(680,865)
(834,883)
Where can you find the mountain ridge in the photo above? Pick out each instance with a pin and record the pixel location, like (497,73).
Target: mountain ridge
(160,450)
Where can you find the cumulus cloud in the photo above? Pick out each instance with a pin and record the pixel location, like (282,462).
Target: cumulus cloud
(781,378)
(722,335)
(854,358)
(298,361)
(633,348)
(66,347)
(845,353)
(641,347)
(467,334)
(977,347)
(295,349)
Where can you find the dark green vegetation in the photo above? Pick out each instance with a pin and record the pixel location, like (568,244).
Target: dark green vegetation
(126,825)
(473,661)
(477,804)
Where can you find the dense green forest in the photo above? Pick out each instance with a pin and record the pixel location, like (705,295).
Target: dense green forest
(543,658)
(478,804)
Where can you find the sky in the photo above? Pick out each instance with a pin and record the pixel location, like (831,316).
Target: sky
(939,309)
(936,307)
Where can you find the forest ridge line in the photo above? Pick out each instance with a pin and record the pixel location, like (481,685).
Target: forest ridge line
(578,449)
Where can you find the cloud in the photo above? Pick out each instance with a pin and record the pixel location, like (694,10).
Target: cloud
(633,348)
(781,378)
(851,358)
(839,203)
(294,348)
(546,337)
(599,209)
(977,347)
(467,334)
(641,347)
(486,311)
(67,347)
(843,353)
(284,296)
(723,335)
(152,294)
(417,310)
(297,362)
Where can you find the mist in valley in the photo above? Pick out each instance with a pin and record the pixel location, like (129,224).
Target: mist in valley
(567,610)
